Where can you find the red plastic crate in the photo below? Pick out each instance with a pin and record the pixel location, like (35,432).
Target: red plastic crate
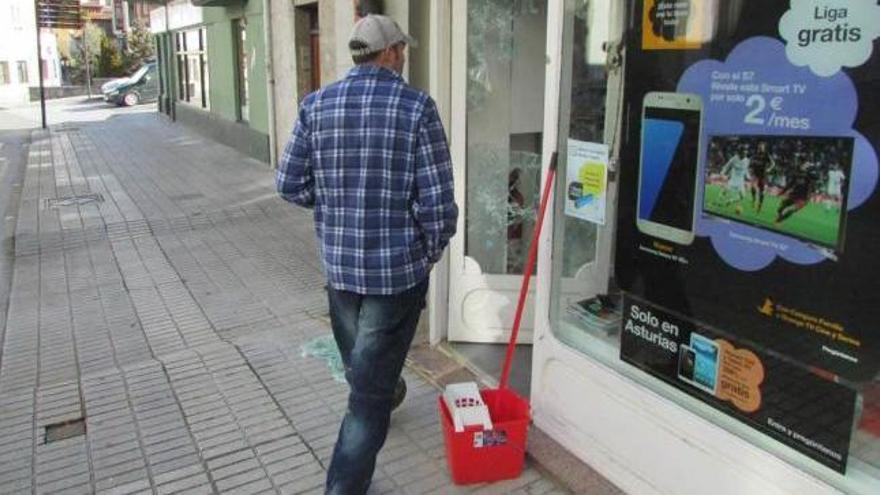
(477,456)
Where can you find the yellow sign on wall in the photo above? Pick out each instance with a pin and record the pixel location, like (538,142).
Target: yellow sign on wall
(677,24)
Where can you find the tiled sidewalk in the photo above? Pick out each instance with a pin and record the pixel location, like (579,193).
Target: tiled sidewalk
(161,293)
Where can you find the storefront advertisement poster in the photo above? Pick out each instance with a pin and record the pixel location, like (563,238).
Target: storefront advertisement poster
(827,35)
(586,181)
(748,210)
(800,409)
(759,218)
(757,99)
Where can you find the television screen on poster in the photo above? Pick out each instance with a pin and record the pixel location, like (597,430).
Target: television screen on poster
(792,185)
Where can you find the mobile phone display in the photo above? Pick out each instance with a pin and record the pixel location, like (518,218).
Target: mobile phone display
(687,362)
(707,359)
(698,363)
(667,180)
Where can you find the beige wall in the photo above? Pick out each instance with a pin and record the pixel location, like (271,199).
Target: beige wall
(329,25)
(399,10)
(419,56)
(284,70)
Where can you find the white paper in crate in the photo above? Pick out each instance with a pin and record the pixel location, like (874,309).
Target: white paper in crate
(466,406)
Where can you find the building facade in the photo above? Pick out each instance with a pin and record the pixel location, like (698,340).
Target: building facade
(213,73)
(18,53)
(100,13)
(737,365)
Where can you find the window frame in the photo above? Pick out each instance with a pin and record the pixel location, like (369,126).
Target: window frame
(5,77)
(22,70)
(189,60)
(242,82)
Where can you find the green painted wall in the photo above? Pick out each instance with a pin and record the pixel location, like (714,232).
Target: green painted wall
(221,69)
(222,75)
(259,105)
(168,74)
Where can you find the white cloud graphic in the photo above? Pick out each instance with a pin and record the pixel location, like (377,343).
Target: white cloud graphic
(827,35)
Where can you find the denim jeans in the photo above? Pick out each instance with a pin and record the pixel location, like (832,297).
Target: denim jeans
(373,334)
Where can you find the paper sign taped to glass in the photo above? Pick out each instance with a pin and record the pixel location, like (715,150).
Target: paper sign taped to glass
(586,181)
(677,24)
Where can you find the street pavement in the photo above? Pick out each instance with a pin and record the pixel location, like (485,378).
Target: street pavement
(26,116)
(160,295)
(13,156)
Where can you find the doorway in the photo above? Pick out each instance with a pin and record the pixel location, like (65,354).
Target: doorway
(308,51)
(506,108)
(498,73)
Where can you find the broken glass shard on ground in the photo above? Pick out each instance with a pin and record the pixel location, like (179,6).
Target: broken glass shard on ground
(324,347)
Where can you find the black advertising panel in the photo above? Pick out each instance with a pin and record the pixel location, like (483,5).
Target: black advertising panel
(747,197)
(793,405)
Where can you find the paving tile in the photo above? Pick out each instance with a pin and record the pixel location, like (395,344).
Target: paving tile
(179,473)
(125,488)
(197,481)
(231,470)
(175,464)
(59,484)
(222,450)
(135,480)
(290,454)
(167,445)
(13,476)
(302,485)
(255,487)
(199,490)
(241,479)
(81,489)
(117,469)
(295,473)
(233,458)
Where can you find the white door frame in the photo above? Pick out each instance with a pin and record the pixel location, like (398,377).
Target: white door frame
(595,275)
(465,276)
(555,24)
(598,273)
(439,86)
(448,80)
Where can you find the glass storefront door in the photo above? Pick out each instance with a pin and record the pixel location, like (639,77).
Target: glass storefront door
(581,250)
(498,87)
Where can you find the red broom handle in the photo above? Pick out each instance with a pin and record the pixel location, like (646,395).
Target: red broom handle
(524,289)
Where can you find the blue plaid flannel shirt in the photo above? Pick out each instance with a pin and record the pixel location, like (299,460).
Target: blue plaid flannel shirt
(369,154)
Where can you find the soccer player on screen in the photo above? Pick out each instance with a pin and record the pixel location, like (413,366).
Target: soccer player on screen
(834,188)
(760,165)
(797,191)
(737,172)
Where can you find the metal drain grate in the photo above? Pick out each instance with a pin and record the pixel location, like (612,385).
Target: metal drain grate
(79,199)
(68,429)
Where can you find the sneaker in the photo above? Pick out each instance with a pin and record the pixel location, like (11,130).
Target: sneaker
(399,394)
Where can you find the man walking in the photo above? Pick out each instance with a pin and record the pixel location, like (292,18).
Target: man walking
(369,154)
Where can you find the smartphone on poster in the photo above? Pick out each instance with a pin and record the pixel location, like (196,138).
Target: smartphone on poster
(671,141)
(698,363)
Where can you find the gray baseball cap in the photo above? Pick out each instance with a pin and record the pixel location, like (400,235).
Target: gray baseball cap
(376,33)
